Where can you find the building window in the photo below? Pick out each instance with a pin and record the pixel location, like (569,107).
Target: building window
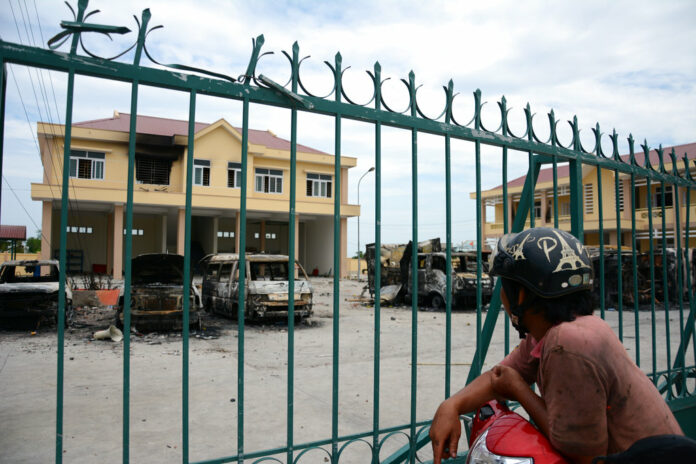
(234,175)
(564,208)
(201,172)
(319,185)
(269,180)
(86,164)
(79,230)
(621,197)
(588,198)
(668,197)
(135,232)
(537,209)
(152,171)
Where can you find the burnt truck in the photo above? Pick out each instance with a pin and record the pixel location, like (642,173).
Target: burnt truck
(29,289)
(395,279)
(157,294)
(266,289)
(665,270)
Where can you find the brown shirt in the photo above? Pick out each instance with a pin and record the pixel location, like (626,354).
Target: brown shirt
(598,401)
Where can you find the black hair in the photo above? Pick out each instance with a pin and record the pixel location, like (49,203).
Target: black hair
(564,308)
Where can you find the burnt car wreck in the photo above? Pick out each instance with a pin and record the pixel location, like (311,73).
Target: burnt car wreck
(395,278)
(665,276)
(30,290)
(157,294)
(266,287)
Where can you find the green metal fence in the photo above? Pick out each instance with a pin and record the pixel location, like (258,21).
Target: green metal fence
(674,378)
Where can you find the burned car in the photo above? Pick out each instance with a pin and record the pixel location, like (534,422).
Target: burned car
(432,280)
(643,274)
(30,289)
(395,268)
(265,287)
(157,293)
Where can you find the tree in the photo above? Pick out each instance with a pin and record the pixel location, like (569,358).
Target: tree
(33,244)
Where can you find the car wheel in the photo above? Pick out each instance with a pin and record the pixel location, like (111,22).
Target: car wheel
(407,299)
(437,302)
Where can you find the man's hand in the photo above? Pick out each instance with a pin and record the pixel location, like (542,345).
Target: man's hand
(445,432)
(507,383)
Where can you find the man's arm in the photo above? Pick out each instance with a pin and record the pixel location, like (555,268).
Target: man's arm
(508,383)
(446,429)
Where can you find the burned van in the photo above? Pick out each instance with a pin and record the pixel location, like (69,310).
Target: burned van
(265,289)
(157,293)
(432,280)
(29,289)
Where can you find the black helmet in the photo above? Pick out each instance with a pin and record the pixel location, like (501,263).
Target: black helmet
(547,261)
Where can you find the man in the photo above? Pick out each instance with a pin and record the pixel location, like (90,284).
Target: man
(594,399)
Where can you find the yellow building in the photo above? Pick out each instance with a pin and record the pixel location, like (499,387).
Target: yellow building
(493,213)
(98,188)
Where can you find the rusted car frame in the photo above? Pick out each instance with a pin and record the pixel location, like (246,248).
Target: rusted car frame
(29,290)
(266,289)
(432,280)
(157,293)
(395,262)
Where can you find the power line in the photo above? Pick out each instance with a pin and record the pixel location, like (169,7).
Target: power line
(22,205)
(42,88)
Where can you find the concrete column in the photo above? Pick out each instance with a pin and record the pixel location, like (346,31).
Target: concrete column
(164,233)
(344,186)
(46,229)
(297,236)
(237,231)
(216,225)
(628,206)
(344,247)
(181,232)
(110,243)
(544,205)
(262,236)
(509,211)
(118,242)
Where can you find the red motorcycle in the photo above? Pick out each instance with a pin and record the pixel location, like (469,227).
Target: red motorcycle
(499,436)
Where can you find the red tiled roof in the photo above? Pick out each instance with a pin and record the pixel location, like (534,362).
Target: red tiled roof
(151,125)
(546,175)
(13,232)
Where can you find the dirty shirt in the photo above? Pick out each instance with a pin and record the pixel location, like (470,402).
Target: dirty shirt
(598,401)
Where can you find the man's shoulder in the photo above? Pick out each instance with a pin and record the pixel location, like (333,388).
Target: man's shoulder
(586,335)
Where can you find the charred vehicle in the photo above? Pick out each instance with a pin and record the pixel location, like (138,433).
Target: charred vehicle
(395,262)
(432,280)
(157,293)
(30,289)
(611,259)
(265,290)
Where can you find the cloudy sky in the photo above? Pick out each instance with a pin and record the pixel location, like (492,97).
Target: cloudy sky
(629,65)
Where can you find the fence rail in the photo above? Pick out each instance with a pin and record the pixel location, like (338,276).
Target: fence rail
(675,378)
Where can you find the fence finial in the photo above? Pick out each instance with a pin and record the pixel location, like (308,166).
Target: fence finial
(615,145)
(646,150)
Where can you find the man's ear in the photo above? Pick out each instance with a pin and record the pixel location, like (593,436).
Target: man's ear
(521,295)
